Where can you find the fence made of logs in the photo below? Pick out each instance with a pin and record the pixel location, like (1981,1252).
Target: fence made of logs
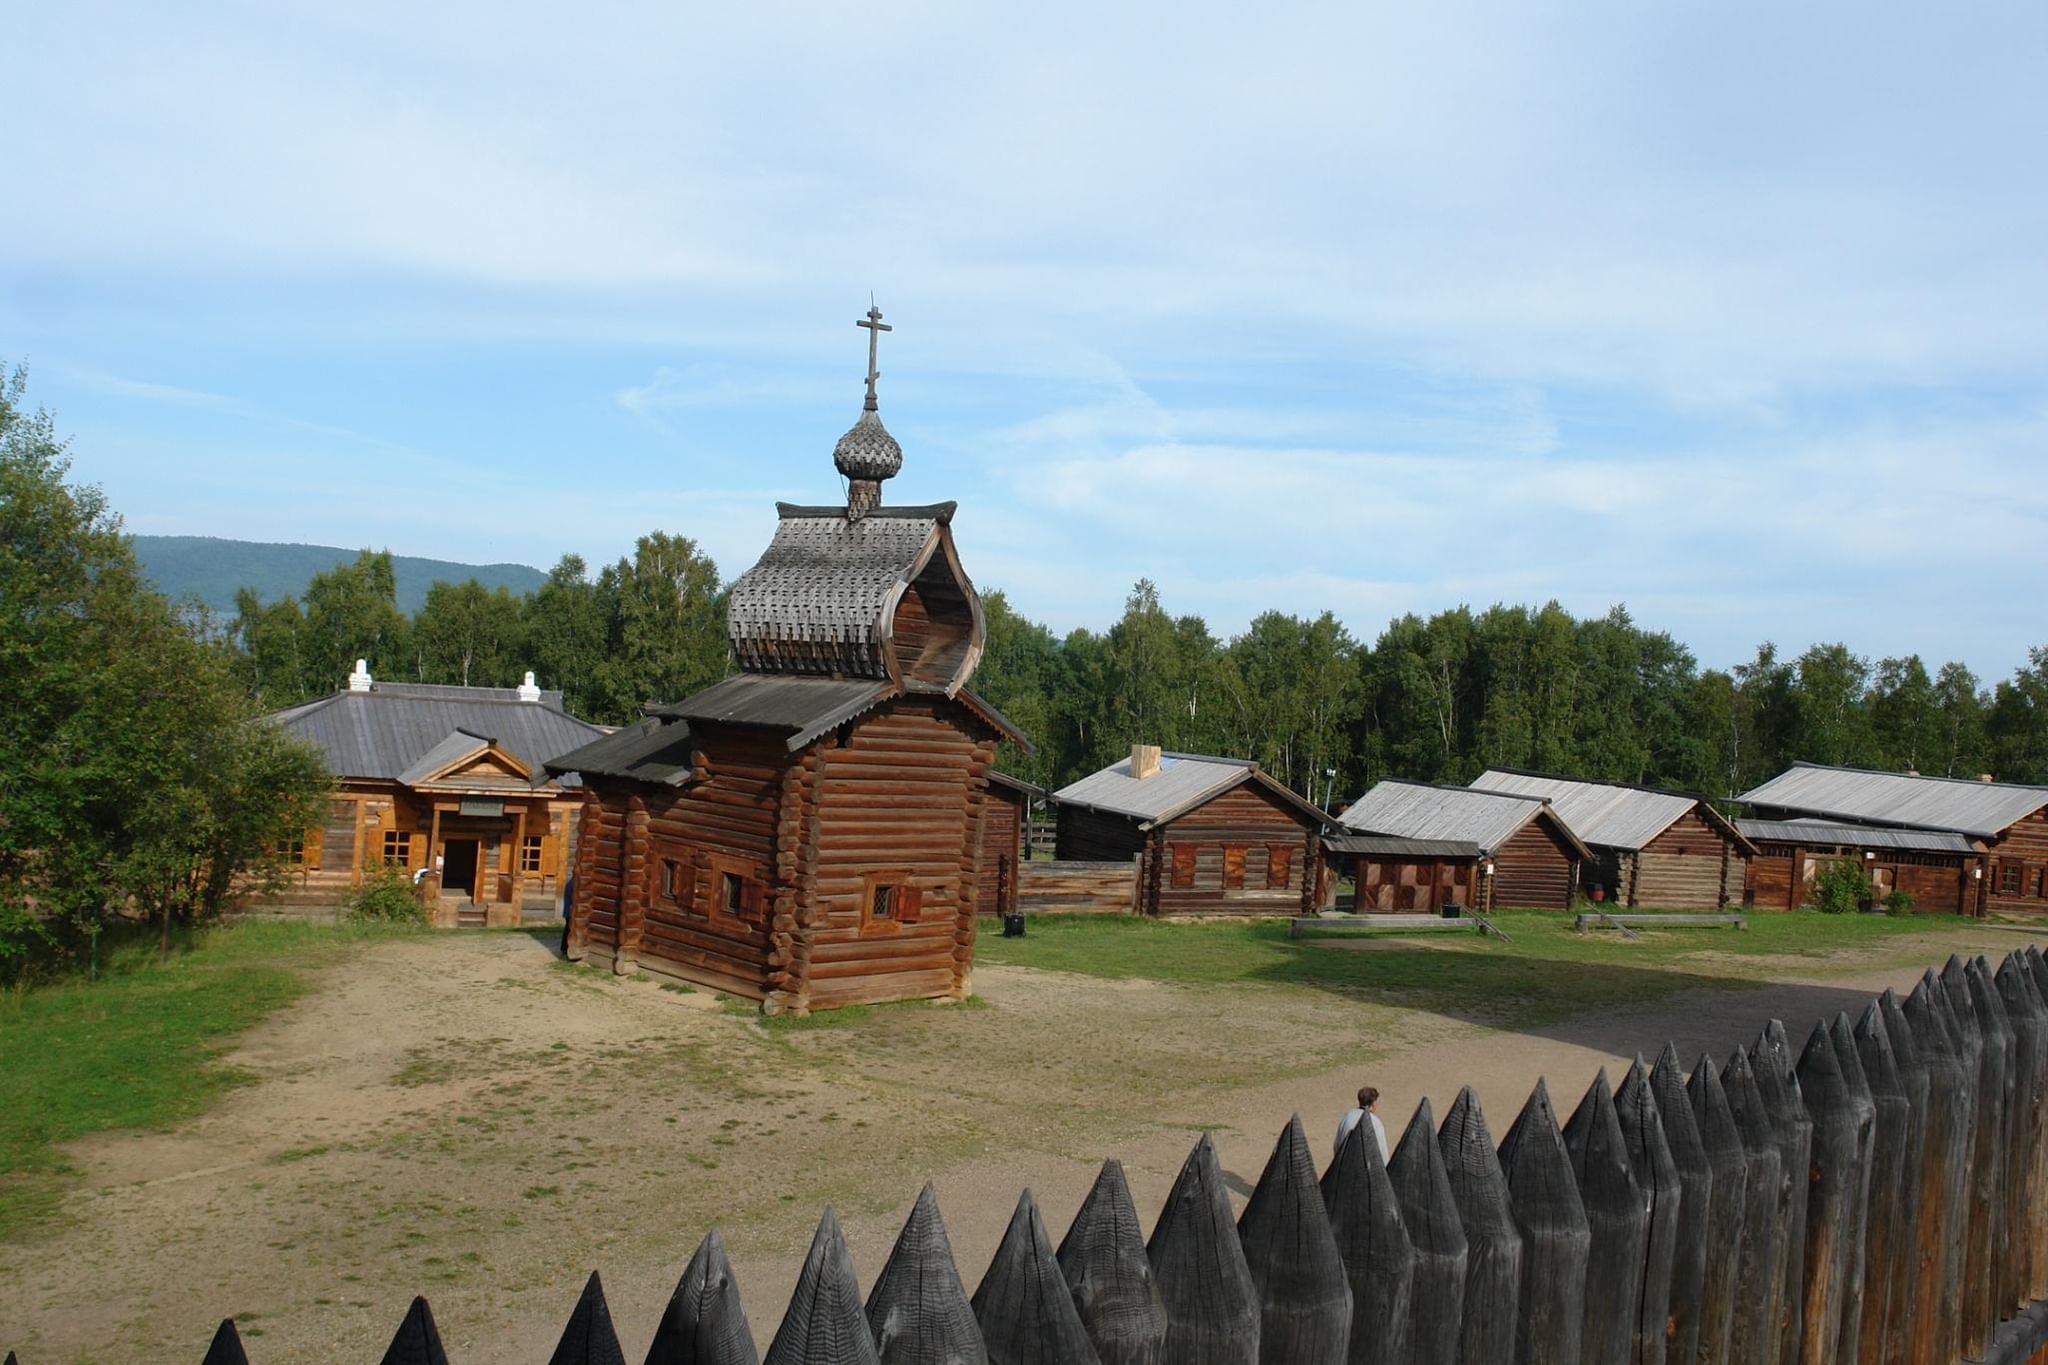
(1877,1197)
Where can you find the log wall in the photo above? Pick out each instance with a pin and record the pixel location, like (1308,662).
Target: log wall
(1781,876)
(2016,881)
(1243,852)
(1093,836)
(1002,851)
(1687,867)
(1801,1206)
(1534,869)
(1078,888)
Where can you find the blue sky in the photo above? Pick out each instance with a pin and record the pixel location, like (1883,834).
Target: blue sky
(1735,312)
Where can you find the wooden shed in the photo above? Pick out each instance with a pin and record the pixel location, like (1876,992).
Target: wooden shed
(1655,849)
(1405,844)
(438,784)
(1941,871)
(1005,826)
(808,833)
(2005,822)
(1210,836)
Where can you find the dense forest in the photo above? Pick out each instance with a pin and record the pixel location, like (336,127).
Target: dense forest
(1437,699)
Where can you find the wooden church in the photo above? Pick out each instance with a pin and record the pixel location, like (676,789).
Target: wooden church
(807,833)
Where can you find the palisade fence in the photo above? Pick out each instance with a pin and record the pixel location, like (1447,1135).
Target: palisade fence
(1881,1196)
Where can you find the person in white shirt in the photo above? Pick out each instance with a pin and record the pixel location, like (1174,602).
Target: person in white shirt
(1368,1106)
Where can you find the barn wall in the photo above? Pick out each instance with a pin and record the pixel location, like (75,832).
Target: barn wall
(1684,868)
(1218,859)
(899,800)
(1534,869)
(1091,836)
(1002,837)
(1078,888)
(1781,876)
(1395,885)
(2018,867)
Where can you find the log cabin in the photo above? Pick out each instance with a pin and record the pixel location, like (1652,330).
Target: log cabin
(438,783)
(1416,846)
(2006,823)
(1942,871)
(1005,831)
(1654,849)
(808,833)
(1209,836)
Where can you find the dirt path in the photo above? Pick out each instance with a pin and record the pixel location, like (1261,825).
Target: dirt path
(462,1116)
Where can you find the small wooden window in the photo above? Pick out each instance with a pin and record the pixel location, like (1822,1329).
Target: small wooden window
(2011,876)
(1233,867)
(674,884)
(890,900)
(732,894)
(397,848)
(293,850)
(1279,867)
(1183,865)
(529,853)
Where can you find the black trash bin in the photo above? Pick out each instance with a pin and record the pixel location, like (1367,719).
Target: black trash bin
(1452,910)
(1013,924)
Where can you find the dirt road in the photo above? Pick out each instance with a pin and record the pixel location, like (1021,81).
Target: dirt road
(464,1117)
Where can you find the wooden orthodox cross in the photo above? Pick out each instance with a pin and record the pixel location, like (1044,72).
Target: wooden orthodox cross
(873,322)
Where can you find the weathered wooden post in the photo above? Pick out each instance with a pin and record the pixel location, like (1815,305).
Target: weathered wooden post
(1379,1258)
(1937,1242)
(1618,1222)
(1856,1219)
(1656,1174)
(1759,1286)
(1981,1250)
(1834,1178)
(918,1310)
(1304,1295)
(418,1342)
(1493,1266)
(2029,1014)
(588,1338)
(1429,1212)
(1725,1208)
(2007,1259)
(1886,1181)
(1212,1306)
(1905,1261)
(1696,1196)
(1103,1259)
(704,1322)
(1544,1202)
(1027,1316)
(224,1349)
(1771,1059)
(824,1324)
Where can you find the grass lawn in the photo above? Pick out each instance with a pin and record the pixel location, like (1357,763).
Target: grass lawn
(1547,973)
(138,1048)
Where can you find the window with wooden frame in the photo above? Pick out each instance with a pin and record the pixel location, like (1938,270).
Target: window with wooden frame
(672,883)
(1184,865)
(2011,876)
(735,893)
(529,853)
(1279,866)
(1233,867)
(293,850)
(397,848)
(889,900)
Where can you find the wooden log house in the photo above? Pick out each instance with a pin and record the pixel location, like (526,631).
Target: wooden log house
(2004,823)
(1209,836)
(1654,849)
(437,783)
(1940,870)
(1416,846)
(808,833)
(1005,826)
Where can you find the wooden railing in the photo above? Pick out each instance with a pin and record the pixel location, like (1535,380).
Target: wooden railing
(1878,1195)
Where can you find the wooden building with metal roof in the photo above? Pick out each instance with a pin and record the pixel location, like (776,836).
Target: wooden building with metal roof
(1942,871)
(444,785)
(808,833)
(2006,822)
(1417,846)
(1210,836)
(1656,849)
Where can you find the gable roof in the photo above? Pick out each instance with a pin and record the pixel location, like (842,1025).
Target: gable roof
(1017,786)
(1983,810)
(1387,846)
(1422,810)
(653,749)
(458,748)
(1853,836)
(1183,782)
(808,708)
(382,734)
(1608,814)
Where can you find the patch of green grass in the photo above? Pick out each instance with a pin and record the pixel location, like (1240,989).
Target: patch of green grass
(140,1047)
(1546,973)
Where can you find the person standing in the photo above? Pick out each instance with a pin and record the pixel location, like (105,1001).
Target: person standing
(1368,1107)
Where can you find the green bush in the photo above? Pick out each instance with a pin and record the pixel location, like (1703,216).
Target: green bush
(1899,903)
(386,896)
(1842,888)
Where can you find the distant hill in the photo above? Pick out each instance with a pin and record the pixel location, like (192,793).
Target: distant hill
(213,570)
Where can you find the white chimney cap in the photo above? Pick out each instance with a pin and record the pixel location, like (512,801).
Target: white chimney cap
(528,690)
(360,680)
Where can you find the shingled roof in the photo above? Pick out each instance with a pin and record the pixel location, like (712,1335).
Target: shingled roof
(383,733)
(1983,810)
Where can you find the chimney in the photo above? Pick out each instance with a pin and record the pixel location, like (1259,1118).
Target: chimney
(1144,761)
(360,680)
(1985,777)
(528,690)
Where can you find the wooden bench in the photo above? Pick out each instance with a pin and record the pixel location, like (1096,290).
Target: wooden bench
(1395,923)
(1626,920)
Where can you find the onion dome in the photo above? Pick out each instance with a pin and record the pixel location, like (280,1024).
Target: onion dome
(867,452)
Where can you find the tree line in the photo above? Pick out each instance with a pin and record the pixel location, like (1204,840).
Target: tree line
(1437,699)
